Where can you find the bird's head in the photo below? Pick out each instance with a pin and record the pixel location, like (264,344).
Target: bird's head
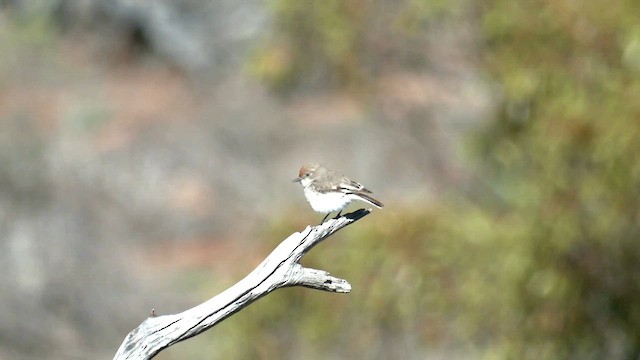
(307,174)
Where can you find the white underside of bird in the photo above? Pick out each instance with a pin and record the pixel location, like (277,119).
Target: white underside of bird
(327,202)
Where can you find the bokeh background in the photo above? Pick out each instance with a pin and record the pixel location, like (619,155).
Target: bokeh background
(147,150)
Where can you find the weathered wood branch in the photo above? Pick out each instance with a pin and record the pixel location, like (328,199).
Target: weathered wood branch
(280,269)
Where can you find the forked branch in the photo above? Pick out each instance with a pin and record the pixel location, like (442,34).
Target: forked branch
(280,269)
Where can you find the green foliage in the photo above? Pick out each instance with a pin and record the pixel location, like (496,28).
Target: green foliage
(315,37)
(28,40)
(563,155)
(343,44)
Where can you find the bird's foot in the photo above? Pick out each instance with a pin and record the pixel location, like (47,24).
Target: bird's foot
(324,218)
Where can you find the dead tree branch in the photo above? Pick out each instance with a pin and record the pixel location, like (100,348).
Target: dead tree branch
(280,269)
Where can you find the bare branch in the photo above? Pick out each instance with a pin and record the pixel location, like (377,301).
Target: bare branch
(280,269)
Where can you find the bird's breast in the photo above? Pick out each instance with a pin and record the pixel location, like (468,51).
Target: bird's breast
(326,202)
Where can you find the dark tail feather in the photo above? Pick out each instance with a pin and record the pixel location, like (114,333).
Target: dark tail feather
(369,199)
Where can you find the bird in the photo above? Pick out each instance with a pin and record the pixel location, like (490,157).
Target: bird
(327,191)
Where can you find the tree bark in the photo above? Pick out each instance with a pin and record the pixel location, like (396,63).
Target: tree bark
(280,269)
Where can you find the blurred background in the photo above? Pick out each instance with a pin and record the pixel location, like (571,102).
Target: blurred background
(147,150)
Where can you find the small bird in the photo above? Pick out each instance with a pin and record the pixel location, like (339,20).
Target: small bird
(327,191)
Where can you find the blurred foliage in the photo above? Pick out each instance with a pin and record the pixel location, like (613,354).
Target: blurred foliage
(313,39)
(549,267)
(563,155)
(343,44)
(28,41)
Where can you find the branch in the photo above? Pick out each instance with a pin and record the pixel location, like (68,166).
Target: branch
(280,269)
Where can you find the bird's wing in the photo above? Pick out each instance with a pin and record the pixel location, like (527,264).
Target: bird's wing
(348,186)
(345,185)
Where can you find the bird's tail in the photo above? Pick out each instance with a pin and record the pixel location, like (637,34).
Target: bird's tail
(367,198)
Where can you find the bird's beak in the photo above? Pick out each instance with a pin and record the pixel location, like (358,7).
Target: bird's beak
(297,179)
